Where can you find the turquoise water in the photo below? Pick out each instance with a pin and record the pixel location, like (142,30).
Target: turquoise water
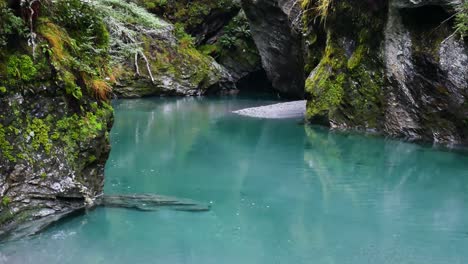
(280,193)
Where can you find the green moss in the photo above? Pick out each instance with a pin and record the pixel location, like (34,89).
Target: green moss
(357,57)
(5,147)
(71,130)
(191,14)
(348,88)
(327,94)
(7,216)
(209,49)
(77,46)
(20,69)
(3,89)
(326,87)
(70,84)
(6,201)
(38,130)
(92,159)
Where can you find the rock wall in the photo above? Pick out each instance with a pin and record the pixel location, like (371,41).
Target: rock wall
(427,73)
(235,49)
(220,30)
(153,57)
(203,19)
(279,42)
(54,115)
(393,67)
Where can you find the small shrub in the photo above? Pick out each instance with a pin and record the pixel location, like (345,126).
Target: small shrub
(185,39)
(9,24)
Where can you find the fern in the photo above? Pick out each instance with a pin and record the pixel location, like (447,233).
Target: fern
(461,20)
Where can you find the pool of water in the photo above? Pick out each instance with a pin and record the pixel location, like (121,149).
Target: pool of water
(280,192)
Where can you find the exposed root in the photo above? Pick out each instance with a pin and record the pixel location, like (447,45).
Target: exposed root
(147,66)
(137,69)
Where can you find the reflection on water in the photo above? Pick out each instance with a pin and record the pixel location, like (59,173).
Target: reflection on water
(280,193)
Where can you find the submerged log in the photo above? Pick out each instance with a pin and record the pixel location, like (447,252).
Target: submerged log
(150,202)
(140,202)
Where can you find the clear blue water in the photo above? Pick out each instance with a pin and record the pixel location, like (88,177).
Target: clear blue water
(281,192)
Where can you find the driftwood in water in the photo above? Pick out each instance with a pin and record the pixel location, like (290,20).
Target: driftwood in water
(149,202)
(141,202)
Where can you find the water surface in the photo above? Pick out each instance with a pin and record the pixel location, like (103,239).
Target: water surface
(280,193)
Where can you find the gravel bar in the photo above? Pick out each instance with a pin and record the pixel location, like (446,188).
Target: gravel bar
(294,109)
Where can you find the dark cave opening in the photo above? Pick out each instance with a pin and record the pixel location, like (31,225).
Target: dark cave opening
(429,17)
(256,83)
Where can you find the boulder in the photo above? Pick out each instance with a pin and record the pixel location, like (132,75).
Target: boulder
(152,57)
(279,40)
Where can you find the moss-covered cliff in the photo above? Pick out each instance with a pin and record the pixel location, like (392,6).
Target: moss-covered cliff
(345,86)
(218,29)
(54,117)
(395,67)
(153,57)
(203,19)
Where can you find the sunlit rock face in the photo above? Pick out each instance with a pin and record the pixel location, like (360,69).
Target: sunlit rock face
(395,68)
(273,24)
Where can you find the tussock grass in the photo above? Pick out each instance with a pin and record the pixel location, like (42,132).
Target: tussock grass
(319,8)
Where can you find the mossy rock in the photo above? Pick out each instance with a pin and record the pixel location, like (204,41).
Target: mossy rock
(346,87)
(49,131)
